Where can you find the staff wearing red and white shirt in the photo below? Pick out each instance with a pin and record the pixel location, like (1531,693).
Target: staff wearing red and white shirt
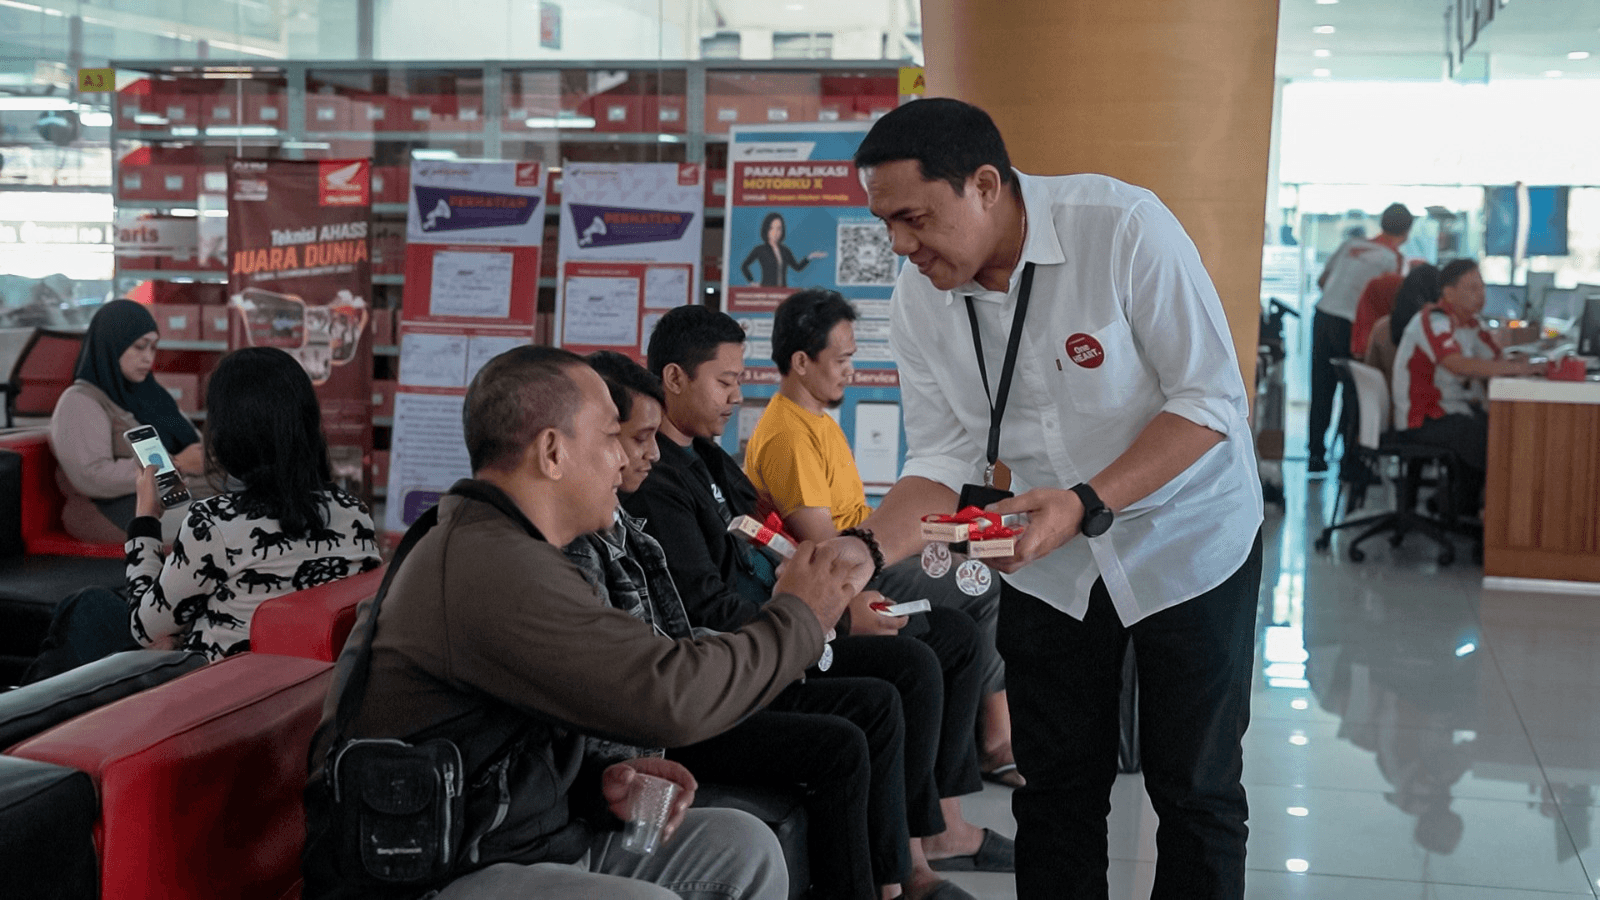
(1444,358)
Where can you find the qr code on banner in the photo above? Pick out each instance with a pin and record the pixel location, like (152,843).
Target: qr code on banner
(866,255)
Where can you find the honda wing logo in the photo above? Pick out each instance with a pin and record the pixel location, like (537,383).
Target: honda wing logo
(343,183)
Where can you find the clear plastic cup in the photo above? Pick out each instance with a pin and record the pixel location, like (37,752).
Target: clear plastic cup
(650,802)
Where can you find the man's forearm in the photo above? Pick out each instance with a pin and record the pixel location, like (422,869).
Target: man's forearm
(895,523)
(1162,451)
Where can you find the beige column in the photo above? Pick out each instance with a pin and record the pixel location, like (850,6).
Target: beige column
(1171,95)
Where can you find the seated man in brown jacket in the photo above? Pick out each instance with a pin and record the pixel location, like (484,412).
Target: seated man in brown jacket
(490,638)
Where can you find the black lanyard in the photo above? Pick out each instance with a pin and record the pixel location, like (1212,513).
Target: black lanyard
(997,405)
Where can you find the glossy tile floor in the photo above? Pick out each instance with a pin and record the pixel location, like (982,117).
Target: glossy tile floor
(1413,736)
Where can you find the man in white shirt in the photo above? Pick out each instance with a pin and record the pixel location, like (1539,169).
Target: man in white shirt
(1125,431)
(1356,262)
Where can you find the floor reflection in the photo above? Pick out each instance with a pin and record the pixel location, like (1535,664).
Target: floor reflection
(1413,735)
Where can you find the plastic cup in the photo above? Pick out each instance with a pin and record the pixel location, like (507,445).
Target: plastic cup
(650,802)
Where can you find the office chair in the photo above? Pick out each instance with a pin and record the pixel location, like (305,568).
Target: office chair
(1371,449)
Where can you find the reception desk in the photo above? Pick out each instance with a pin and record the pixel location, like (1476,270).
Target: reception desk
(1541,516)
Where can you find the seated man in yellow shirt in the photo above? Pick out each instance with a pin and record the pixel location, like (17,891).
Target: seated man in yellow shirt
(804,470)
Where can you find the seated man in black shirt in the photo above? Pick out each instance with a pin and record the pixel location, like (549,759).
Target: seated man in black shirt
(690,496)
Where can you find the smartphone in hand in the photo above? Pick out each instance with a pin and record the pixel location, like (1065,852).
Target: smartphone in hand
(149,450)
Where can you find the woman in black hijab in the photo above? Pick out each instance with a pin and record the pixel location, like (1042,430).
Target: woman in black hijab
(113,392)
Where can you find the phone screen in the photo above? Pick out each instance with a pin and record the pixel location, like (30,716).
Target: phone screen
(148,448)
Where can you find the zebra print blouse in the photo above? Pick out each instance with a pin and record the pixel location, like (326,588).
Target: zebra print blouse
(225,561)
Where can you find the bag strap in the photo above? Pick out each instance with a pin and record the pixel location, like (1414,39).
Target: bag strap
(359,647)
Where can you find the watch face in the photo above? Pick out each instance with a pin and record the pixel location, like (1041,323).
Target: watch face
(1097,522)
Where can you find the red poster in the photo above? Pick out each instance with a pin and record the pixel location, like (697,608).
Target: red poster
(299,278)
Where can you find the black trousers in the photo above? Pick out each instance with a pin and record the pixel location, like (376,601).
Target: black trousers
(87,625)
(933,664)
(1064,678)
(843,741)
(1330,340)
(1466,435)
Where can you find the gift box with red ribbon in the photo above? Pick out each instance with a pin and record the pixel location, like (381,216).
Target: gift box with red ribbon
(986,534)
(767,534)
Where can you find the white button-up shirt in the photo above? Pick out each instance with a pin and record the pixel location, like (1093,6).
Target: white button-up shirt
(1113,264)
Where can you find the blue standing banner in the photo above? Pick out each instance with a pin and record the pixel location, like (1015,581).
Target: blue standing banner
(797,218)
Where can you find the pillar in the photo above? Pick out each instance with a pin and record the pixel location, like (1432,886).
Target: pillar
(1172,95)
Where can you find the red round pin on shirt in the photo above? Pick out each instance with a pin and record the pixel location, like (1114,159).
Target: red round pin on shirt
(1085,351)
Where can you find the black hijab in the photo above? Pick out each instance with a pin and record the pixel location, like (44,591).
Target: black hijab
(114,328)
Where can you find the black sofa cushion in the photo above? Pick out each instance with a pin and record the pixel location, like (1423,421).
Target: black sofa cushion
(783,813)
(30,588)
(47,816)
(34,708)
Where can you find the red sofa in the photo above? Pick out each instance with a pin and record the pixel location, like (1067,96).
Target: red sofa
(313,623)
(200,779)
(42,500)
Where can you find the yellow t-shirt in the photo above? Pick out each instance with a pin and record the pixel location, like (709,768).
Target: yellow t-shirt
(798,458)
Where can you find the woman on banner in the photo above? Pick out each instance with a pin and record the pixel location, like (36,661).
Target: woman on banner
(774,256)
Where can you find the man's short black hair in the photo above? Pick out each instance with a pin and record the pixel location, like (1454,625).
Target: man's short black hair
(804,321)
(1454,269)
(624,378)
(949,139)
(1396,220)
(513,398)
(690,335)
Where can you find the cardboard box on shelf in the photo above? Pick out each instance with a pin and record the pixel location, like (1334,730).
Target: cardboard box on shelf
(383,397)
(266,109)
(213,323)
(328,112)
(179,108)
(184,388)
(177,321)
(612,112)
(380,468)
(370,113)
(382,327)
(666,114)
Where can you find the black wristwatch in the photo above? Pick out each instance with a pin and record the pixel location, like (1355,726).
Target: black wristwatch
(1097,516)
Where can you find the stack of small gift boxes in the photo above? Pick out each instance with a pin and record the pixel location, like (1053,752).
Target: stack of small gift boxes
(975,533)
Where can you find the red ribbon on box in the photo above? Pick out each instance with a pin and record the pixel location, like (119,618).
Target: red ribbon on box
(772,527)
(981,526)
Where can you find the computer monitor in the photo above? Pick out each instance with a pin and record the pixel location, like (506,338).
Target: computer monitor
(1504,301)
(1589,323)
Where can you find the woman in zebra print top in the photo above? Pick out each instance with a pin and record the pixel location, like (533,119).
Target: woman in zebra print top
(284,528)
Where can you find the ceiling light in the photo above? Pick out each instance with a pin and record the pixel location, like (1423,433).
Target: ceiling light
(1297,865)
(95,119)
(1552,73)
(1578,54)
(1326,2)
(1299,811)
(36,104)
(1321,73)
(565,120)
(1322,53)
(1324,29)
(434,154)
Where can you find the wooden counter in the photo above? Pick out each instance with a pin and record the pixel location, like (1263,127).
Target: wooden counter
(1541,516)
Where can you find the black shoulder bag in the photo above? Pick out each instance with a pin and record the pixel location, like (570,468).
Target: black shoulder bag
(398,809)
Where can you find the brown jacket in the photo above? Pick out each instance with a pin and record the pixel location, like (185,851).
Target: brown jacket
(487,627)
